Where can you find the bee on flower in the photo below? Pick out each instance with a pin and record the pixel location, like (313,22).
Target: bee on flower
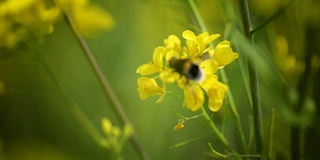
(192,67)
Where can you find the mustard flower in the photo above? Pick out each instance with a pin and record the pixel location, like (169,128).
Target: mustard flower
(155,65)
(223,54)
(197,45)
(148,87)
(193,97)
(187,67)
(216,94)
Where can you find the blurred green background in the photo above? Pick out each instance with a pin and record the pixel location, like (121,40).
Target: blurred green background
(43,86)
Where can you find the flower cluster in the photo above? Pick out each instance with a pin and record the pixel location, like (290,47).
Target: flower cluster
(204,60)
(87,18)
(21,20)
(115,137)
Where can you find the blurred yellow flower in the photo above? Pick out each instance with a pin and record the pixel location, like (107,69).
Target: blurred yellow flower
(12,7)
(114,136)
(86,17)
(24,19)
(89,19)
(21,20)
(289,65)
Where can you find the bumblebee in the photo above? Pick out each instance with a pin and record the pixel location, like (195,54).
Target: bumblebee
(187,68)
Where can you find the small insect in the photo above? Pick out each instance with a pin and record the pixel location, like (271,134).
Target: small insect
(187,68)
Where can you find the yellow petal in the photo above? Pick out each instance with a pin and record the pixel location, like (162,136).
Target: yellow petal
(172,41)
(147,87)
(157,56)
(224,54)
(209,66)
(193,97)
(212,38)
(182,82)
(193,49)
(147,69)
(187,34)
(172,54)
(216,96)
(106,126)
(169,76)
(208,81)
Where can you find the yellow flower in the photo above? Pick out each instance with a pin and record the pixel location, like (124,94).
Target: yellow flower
(208,81)
(193,97)
(156,65)
(173,42)
(169,76)
(190,65)
(89,19)
(223,54)
(148,87)
(216,94)
(209,66)
(197,45)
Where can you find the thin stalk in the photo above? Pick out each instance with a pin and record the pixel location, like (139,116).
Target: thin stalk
(223,77)
(272,17)
(271,133)
(254,82)
(106,86)
(189,141)
(245,156)
(216,152)
(216,131)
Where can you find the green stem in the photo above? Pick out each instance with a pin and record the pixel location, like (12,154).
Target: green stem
(216,131)
(271,133)
(106,86)
(224,79)
(216,152)
(197,15)
(272,17)
(254,82)
(189,141)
